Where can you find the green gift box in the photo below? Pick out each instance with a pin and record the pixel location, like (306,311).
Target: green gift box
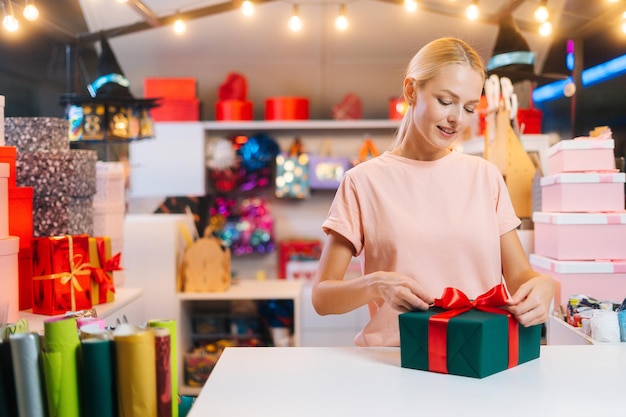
(477,342)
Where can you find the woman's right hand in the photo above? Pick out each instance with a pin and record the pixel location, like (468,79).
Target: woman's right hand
(399,291)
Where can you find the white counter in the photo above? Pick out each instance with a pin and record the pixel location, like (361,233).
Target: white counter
(346,382)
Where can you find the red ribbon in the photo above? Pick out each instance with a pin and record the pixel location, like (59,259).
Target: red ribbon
(457,303)
(101,275)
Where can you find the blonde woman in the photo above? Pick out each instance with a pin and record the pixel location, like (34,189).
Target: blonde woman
(425,216)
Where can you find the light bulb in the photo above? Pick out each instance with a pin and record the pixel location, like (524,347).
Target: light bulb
(541,13)
(31,13)
(247,8)
(341,22)
(472,11)
(10,23)
(545,29)
(295,23)
(410,5)
(180,26)
(624,26)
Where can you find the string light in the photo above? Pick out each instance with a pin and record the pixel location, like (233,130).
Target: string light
(295,23)
(472,11)
(247,8)
(410,5)
(9,22)
(545,29)
(31,13)
(541,13)
(623,25)
(341,22)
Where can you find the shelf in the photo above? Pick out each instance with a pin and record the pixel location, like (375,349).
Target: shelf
(123,298)
(248,289)
(299,126)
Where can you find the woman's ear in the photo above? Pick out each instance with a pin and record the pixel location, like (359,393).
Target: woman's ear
(410,91)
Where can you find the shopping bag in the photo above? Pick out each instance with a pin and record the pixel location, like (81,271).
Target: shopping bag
(368,151)
(326,168)
(292,173)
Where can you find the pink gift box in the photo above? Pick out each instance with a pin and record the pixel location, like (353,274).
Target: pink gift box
(583,192)
(603,280)
(580,236)
(580,155)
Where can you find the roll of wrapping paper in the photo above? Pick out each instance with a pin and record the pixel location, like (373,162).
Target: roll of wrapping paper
(163,371)
(26,358)
(8,400)
(171,326)
(97,321)
(97,362)
(136,374)
(60,367)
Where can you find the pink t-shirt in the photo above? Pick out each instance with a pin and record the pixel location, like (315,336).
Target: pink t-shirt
(439,222)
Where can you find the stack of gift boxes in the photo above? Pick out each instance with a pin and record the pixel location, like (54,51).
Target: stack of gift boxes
(64,265)
(580,232)
(177,99)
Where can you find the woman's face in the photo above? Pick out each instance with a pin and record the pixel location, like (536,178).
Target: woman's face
(444,106)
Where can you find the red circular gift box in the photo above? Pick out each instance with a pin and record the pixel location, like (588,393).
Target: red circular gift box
(286,108)
(233,110)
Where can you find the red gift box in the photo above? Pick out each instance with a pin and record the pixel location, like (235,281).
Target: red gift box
(61,274)
(176,88)
(287,108)
(297,250)
(233,110)
(176,110)
(102,267)
(8,154)
(25,276)
(21,214)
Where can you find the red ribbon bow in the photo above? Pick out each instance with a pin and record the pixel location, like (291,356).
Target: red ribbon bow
(101,275)
(457,303)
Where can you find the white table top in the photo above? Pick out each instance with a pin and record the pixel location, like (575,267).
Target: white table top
(346,382)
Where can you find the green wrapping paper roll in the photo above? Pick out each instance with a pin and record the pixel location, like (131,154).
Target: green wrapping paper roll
(171,326)
(97,362)
(136,371)
(26,355)
(8,399)
(60,367)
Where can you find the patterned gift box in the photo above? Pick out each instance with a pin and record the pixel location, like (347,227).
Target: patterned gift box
(30,134)
(461,339)
(67,172)
(62,215)
(61,274)
(103,264)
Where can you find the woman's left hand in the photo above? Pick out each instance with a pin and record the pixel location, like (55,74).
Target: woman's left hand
(531,302)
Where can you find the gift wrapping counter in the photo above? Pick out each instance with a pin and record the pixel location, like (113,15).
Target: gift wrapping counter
(565,381)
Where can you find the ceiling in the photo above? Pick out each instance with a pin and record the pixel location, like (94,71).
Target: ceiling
(318,62)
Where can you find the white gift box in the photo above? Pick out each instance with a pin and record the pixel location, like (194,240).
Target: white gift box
(583,192)
(602,279)
(580,236)
(9,279)
(4,200)
(580,155)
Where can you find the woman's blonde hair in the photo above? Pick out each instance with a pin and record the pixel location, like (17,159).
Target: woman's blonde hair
(430,59)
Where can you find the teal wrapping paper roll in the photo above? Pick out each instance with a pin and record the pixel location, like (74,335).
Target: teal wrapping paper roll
(60,367)
(171,326)
(26,358)
(97,364)
(136,371)
(8,400)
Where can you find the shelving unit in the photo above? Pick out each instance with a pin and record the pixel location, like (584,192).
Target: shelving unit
(127,307)
(214,303)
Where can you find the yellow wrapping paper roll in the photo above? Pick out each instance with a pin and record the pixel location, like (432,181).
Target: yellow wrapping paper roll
(136,371)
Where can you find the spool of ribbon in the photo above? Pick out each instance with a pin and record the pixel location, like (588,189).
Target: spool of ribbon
(457,303)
